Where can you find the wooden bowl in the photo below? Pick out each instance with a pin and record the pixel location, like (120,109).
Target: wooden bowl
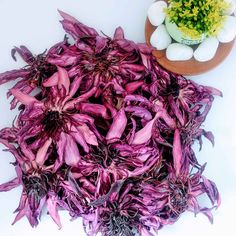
(190,67)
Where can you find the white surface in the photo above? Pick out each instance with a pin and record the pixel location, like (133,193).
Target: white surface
(35,24)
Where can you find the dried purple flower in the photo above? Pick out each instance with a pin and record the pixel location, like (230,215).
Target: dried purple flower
(108,137)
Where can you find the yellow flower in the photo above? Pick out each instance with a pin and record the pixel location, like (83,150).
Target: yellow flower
(196,17)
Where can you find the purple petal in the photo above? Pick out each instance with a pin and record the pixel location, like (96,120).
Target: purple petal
(140,112)
(24,52)
(133,86)
(211,191)
(41,155)
(71,152)
(177,153)
(10,185)
(13,75)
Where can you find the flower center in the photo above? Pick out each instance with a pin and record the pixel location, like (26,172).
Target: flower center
(118,225)
(52,122)
(178,198)
(36,188)
(101,64)
(40,70)
(104,155)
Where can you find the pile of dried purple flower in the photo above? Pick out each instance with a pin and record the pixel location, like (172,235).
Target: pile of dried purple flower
(108,136)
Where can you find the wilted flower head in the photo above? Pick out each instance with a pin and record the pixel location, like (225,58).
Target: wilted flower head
(56,118)
(101,59)
(42,185)
(32,75)
(171,196)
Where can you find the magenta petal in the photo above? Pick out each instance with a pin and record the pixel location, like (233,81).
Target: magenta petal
(94,109)
(89,136)
(75,28)
(177,152)
(52,81)
(79,138)
(84,97)
(23,98)
(41,155)
(13,75)
(119,34)
(63,80)
(52,209)
(133,86)
(24,52)
(140,112)
(75,86)
(9,185)
(144,135)
(61,145)
(118,125)
(71,152)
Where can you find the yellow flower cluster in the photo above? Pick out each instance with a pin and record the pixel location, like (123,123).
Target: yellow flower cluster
(197,17)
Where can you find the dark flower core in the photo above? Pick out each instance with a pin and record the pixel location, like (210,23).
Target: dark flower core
(104,154)
(52,122)
(172,89)
(178,197)
(118,225)
(101,63)
(36,187)
(40,70)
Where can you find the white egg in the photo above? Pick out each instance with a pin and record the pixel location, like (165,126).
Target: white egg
(228,32)
(206,50)
(179,52)
(156,14)
(160,38)
(232,6)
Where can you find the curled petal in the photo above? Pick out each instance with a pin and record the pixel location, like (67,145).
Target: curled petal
(211,191)
(140,112)
(75,28)
(24,52)
(94,109)
(118,126)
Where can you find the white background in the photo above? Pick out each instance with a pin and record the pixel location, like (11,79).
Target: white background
(36,25)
